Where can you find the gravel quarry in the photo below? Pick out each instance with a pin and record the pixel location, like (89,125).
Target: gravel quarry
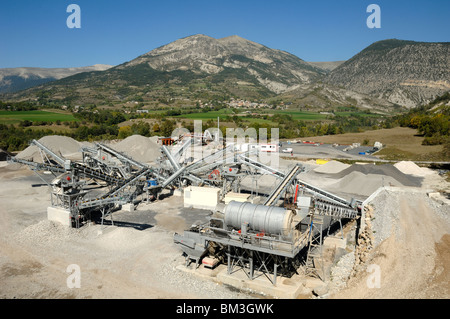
(406,235)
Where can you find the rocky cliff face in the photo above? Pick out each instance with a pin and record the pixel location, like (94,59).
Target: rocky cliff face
(403,72)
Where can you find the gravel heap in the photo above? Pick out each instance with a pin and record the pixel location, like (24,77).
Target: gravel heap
(408,167)
(386,169)
(332,167)
(65,146)
(387,209)
(386,221)
(45,233)
(342,270)
(140,148)
(364,184)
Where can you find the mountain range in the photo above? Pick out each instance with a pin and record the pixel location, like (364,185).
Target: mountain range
(199,67)
(404,72)
(16,79)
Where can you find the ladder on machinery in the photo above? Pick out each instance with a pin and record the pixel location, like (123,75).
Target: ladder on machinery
(315,248)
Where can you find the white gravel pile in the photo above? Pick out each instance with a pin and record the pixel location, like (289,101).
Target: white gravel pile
(387,221)
(60,145)
(140,148)
(45,233)
(342,270)
(408,167)
(331,167)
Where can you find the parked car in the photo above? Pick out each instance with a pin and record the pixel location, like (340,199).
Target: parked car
(287,150)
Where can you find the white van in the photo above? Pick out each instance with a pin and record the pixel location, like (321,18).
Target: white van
(287,150)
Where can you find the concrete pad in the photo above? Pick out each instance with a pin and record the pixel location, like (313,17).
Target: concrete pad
(311,282)
(59,215)
(201,197)
(335,242)
(128,207)
(285,288)
(178,192)
(238,197)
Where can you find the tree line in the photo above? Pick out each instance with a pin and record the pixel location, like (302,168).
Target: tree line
(431,120)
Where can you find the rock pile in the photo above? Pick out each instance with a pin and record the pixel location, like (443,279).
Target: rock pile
(332,167)
(140,148)
(65,146)
(365,241)
(408,167)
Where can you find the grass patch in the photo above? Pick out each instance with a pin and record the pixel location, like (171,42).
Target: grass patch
(14,117)
(394,153)
(207,115)
(354,114)
(296,115)
(302,115)
(401,143)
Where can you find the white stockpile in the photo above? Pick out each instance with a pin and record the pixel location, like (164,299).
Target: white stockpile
(331,167)
(140,148)
(60,145)
(411,168)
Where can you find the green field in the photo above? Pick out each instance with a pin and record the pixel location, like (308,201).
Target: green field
(14,117)
(363,114)
(303,115)
(207,115)
(296,115)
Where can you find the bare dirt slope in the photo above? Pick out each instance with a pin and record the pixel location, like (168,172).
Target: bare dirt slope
(412,253)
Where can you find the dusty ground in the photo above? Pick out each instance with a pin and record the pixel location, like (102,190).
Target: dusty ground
(115,262)
(139,259)
(413,261)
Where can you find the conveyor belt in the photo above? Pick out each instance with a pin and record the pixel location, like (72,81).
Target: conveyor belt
(260,166)
(37,166)
(48,151)
(93,173)
(276,193)
(120,156)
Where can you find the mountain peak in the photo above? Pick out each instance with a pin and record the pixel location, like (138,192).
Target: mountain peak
(197,36)
(237,40)
(233,38)
(231,59)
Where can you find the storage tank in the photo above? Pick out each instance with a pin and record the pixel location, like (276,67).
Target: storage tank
(267,219)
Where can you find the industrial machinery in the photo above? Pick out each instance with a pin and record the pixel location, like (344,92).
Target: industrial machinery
(105,179)
(267,239)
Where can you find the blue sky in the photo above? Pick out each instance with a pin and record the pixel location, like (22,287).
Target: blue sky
(34,32)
